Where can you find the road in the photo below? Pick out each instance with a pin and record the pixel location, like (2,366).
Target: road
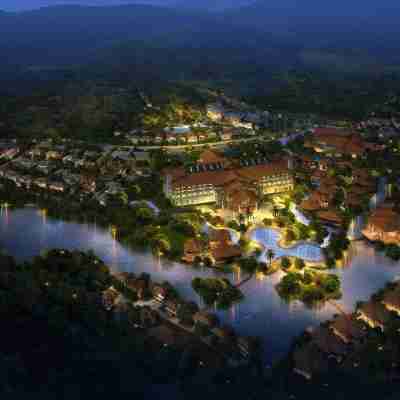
(183,147)
(216,145)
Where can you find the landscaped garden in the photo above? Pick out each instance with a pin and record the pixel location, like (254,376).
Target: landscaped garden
(310,287)
(218,291)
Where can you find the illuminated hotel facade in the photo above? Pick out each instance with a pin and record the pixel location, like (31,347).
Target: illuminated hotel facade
(214,180)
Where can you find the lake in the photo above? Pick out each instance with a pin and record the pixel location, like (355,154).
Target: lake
(24,233)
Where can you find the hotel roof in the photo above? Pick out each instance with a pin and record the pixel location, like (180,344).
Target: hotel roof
(223,177)
(331,216)
(257,172)
(211,157)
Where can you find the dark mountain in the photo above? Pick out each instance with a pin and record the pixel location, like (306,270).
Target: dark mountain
(317,8)
(340,17)
(235,46)
(210,5)
(76,35)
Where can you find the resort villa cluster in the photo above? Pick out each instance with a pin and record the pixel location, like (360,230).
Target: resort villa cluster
(218,181)
(333,148)
(339,343)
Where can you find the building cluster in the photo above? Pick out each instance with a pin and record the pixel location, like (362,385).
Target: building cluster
(335,150)
(159,302)
(339,342)
(384,128)
(219,249)
(96,172)
(224,120)
(223,183)
(338,143)
(184,135)
(242,116)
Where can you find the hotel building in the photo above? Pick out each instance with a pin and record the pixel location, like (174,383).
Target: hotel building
(216,180)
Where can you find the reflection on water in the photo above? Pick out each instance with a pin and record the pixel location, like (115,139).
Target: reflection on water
(25,233)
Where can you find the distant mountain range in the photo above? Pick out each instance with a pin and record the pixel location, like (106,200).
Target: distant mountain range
(210,5)
(183,40)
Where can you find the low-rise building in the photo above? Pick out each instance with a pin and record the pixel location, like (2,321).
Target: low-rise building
(328,343)
(338,142)
(391,300)
(205,318)
(193,250)
(374,313)
(57,186)
(383,225)
(348,329)
(41,182)
(308,361)
(215,111)
(172,307)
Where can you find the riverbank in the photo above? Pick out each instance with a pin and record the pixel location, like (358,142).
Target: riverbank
(25,233)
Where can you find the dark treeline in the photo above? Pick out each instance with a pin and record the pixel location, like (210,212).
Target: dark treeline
(59,342)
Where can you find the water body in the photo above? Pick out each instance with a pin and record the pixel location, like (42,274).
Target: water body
(25,233)
(269,238)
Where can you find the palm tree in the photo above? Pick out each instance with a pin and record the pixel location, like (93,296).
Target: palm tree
(270,255)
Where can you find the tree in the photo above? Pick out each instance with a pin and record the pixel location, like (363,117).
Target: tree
(248,264)
(285,263)
(289,285)
(267,221)
(299,263)
(330,283)
(290,236)
(186,312)
(270,256)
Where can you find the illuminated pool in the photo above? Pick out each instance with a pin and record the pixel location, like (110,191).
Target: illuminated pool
(269,239)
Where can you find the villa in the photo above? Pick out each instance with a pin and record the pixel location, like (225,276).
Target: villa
(309,361)
(383,225)
(347,329)
(328,343)
(215,112)
(391,301)
(374,314)
(339,142)
(193,249)
(215,180)
(206,319)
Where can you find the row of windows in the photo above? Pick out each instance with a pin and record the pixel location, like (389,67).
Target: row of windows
(196,200)
(278,183)
(194,194)
(276,178)
(195,187)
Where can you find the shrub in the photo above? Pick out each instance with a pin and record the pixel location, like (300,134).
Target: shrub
(299,263)
(285,263)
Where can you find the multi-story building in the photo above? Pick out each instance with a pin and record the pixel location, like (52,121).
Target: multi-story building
(215,180)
